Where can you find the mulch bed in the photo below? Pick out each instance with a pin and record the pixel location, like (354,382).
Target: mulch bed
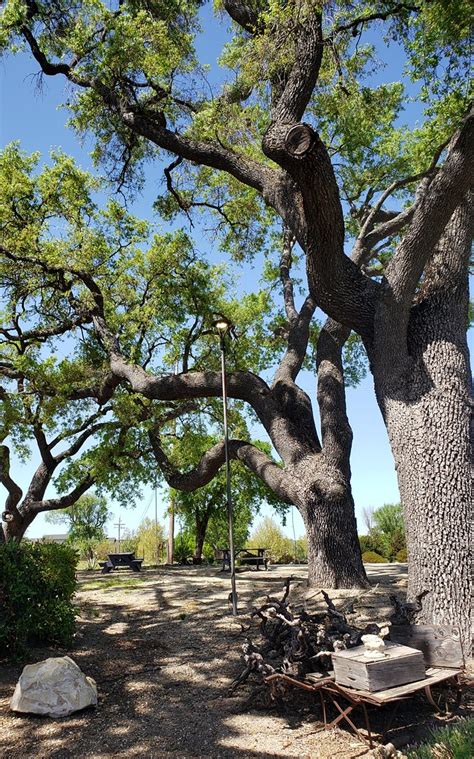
(164,651)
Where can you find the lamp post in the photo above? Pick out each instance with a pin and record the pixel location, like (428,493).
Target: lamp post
(223,327)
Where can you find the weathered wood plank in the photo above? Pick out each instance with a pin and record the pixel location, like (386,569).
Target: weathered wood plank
(434,675)
(440,644)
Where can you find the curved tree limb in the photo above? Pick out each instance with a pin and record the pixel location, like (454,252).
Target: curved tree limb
(14,491)
(52,504)
(291,104)
(212,460)
(299,322)
(376,16)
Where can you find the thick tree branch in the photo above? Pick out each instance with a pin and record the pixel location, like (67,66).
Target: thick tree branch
(446,270)
(298,336)
(445,193)
(52,504)
(14,491)
(287,282)
(43,447)
(52,69)
(246,170)
(242,14)
(303,76)
(245,386)
(211,461)
(336,431)
(335,281)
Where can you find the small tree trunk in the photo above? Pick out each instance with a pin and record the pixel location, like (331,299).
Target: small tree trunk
(201,529)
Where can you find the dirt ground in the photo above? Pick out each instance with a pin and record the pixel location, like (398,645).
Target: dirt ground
(164,649)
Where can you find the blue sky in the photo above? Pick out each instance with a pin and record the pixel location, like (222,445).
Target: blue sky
(32,115)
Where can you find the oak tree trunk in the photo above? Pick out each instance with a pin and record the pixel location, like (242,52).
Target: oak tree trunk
(327,509)
(427,413)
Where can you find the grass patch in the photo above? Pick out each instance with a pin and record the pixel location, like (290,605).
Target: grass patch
(111,583)
(453,742)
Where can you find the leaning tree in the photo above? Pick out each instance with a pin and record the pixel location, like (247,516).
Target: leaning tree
(125,314)
(138,85)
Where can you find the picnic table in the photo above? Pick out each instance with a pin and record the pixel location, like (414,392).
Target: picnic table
(248,556)
(117,560)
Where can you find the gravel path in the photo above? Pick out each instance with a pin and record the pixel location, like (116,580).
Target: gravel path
(163,649)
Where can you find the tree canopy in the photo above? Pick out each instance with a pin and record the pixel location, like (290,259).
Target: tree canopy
(350,177)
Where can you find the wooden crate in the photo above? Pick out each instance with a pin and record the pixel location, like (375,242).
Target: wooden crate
(401,665)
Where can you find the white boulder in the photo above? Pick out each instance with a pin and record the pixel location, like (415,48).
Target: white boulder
(54,687)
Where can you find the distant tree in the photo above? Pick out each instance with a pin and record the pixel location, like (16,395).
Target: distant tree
(150,537)
(268,534)
(204,511)
(368,516)
(85,521)
(386,536)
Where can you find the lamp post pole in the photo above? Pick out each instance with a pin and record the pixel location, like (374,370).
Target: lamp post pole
(223,326)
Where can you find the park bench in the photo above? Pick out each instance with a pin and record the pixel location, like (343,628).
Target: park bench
(121,560)
(443,656)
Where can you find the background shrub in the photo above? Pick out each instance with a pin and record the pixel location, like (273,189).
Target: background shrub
(370,557)
(402,555)
(37,583)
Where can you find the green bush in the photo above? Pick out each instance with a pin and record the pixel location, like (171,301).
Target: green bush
(453,742)
(37,583)
(375,542)
(402,555)
(183,546)
(370,557)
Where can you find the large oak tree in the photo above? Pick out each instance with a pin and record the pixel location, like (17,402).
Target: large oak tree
(404,288)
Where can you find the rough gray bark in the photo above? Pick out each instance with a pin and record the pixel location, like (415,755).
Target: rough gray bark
(427,409)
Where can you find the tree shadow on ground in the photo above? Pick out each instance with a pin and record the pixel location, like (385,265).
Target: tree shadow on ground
(163,656)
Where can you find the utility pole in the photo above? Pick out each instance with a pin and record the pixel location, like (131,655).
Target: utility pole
(294,533)
(119,524)
(170,545)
